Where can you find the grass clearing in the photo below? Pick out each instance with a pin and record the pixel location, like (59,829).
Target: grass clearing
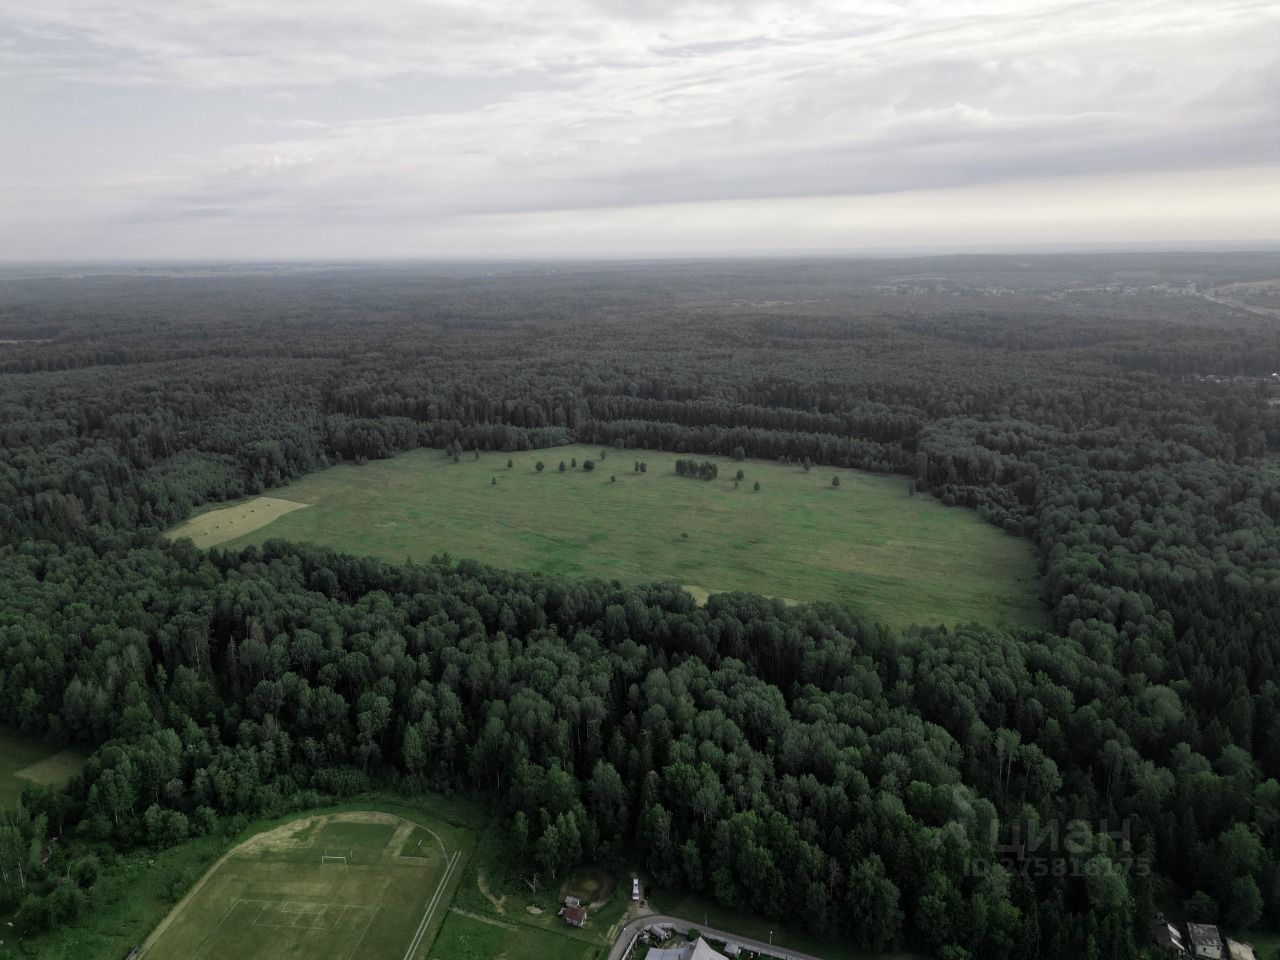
(226,523)
(468,937)
(593,886)
(26,760)
(866,543)
(326,887)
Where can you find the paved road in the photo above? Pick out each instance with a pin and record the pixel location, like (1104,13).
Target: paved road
(635,926)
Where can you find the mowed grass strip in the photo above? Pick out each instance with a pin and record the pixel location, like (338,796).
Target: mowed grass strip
(865,543)
(225,523)
(26,760)
(322,888)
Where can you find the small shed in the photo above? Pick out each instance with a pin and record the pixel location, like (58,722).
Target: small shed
(575,916)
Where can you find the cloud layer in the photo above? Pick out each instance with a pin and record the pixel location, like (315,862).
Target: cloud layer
(231,128)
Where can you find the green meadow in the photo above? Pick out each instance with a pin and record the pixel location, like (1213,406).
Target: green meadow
(26,760)
(866,543)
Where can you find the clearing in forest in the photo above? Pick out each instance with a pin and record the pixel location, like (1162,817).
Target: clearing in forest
(866,543)
(334,887)
(226,523)
(26,760)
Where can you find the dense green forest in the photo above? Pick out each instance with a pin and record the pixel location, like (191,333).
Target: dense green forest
(797,761)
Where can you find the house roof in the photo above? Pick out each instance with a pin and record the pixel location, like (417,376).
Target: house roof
(575,913)
(701,950)
(1205,933)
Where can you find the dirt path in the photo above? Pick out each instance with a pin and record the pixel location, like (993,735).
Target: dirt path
(501,924)
(488,894)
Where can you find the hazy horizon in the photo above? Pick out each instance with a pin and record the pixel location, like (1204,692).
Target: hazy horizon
(145,130)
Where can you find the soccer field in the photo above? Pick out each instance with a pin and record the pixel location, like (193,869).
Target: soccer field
(336,887)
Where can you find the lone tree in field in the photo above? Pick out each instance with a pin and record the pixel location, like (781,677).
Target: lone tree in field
(807,464)
(757,486)
(563,468)
(588,464)
(613,478)
(603,454)
(740,476)
(835,481)
(493,482)
(636,467)
(539,466)
(509,463)
(574,463)
(643,466)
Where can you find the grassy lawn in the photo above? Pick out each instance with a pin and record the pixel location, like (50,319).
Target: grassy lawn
(26,760)
(465,937)
(865,543)
(527,921)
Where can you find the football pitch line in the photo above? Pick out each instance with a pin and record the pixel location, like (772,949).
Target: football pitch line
(431,908)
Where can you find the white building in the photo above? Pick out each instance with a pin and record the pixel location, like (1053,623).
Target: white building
(700,950)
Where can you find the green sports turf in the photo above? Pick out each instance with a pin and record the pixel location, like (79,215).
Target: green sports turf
(319,888)
(866,544)
(26,760)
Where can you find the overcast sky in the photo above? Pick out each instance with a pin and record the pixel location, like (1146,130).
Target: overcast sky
(333,128)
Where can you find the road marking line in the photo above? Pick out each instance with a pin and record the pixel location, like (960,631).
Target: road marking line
(431,908)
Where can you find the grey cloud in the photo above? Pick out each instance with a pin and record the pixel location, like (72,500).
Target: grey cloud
(327,113)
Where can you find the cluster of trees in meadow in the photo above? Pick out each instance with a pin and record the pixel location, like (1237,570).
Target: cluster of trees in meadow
(701,469)
(796,762)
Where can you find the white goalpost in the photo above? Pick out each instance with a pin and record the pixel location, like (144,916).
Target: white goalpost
(333,858)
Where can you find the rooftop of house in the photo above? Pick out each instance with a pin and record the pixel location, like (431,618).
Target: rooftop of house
(1203,933)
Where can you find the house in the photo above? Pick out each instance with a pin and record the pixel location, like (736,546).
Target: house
(1170,938)
(1206,943)
(1239,951)
(575,916)
(699,950)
